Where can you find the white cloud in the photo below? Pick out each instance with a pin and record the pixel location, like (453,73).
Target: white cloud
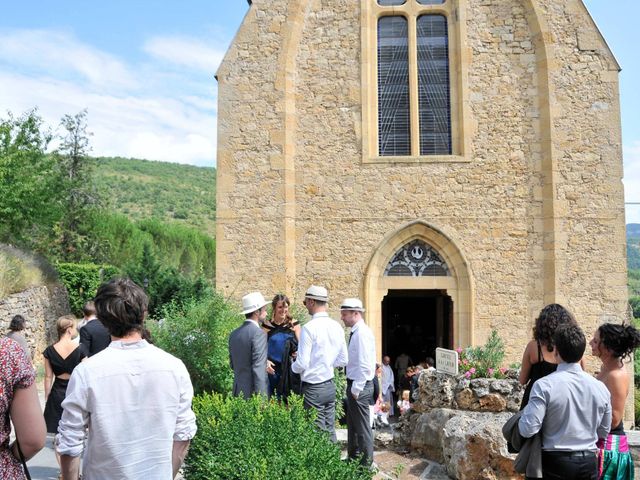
(185,51)
(632,181)
(60,53)
(159,122)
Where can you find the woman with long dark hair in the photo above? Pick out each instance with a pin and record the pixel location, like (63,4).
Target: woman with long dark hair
(613,344)
(538,359)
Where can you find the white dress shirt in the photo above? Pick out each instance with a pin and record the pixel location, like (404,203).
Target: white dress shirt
(571,409)
(322,348)
(361,366)
(135,400)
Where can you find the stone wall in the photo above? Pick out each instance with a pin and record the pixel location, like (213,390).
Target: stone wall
(41,307)
(535,207)
(439,390)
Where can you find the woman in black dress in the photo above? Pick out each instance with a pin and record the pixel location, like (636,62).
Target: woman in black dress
(59,361)
(538,359)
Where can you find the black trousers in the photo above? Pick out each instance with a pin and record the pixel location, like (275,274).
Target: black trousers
(569,466)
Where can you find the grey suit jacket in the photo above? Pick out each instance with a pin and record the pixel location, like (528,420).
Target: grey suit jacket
(248,357)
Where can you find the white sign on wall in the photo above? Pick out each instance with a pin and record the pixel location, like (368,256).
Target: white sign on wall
(447,361)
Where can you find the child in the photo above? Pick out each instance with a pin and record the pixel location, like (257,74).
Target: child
(404,404)
(381,411)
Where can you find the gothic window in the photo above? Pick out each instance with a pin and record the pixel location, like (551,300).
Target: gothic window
(413,82)
(417,259)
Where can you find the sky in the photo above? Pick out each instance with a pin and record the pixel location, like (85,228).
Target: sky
(145,70)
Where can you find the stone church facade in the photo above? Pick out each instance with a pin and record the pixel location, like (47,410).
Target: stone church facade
(457,164)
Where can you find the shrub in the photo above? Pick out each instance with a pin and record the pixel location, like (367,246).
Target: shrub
(484,361)
(18,272)
(257,440)
(82,281)
(198,333)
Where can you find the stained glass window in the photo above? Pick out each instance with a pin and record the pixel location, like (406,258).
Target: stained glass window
(433,85)
(394,134)
(431,2)
(391,2)
(417,259)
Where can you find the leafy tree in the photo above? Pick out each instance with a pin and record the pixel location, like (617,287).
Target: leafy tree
(30,191)
(76,173)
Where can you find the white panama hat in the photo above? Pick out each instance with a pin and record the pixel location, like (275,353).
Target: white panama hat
(352,304)
(314,292)
(252,301)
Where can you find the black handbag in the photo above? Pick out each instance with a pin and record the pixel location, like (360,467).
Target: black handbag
(24,462)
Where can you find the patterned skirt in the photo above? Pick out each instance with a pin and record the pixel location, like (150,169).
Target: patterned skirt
(614,459)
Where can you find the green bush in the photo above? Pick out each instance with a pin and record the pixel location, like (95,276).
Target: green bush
(82,281)
(257,440)
(484,361)
(198,333)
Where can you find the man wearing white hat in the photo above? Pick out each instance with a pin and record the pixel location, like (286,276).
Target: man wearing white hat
(361,369)
(248,349)
(321,349)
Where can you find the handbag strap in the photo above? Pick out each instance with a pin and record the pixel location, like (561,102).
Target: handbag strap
(23,460)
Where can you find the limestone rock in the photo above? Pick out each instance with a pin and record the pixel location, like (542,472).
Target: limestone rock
(428,430)
(473,447)
(493,403)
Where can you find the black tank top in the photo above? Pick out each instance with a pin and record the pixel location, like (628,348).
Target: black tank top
(538,370)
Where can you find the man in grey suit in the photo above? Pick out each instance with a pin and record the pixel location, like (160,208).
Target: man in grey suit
(248,349)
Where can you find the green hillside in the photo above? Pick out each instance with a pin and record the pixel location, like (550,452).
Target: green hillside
(172,192)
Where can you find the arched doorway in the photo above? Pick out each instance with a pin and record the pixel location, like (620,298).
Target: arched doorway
(418,292)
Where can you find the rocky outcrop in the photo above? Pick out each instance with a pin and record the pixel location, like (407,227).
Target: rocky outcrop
(469,444)
(457,421)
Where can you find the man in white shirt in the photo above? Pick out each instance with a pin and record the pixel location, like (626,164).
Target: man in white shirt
(388,383)
(361,369)
(134,399)
(322,348)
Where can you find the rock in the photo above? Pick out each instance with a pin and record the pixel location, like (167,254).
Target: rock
(480,386)
(473,447)
(427,432)
(465,399)
(382,439)
(493,403)
(435,390)
(502,386)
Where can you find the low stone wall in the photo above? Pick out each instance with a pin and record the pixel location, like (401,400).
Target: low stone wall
(458,422)
(41,307)
(438,390)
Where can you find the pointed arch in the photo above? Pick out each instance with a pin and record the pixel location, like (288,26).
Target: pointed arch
(458,285)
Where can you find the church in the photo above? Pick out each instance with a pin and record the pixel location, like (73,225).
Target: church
(456,164)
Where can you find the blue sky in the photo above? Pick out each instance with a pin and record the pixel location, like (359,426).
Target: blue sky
(145,71)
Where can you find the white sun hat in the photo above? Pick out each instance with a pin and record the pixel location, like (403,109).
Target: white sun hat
(252,301)
(314,292)
(352,304)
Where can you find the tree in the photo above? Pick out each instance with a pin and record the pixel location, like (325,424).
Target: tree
(30,193)
(80,198)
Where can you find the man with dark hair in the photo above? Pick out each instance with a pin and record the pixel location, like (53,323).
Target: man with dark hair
(571,409)
(248,349)
(93,334)
(322,348)
(17,325)
(134,398)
